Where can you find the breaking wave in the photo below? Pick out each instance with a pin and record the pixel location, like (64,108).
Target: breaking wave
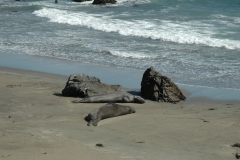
(181,32)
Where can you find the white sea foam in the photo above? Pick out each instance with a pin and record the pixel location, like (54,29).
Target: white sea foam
(169,9)
(237,20)
(131,2)
(131,55)
(227,19)
(178,32)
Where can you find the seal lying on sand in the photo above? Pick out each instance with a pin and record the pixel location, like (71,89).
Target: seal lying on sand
(121,97)
(107,111)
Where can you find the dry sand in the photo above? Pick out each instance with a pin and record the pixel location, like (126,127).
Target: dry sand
(38,123)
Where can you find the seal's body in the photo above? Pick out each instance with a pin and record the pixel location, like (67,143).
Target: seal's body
(121,97)
(107,111)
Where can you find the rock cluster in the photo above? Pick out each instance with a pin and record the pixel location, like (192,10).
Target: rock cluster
(98,1)
(81,0)
(157,87)
(103,1)
(81,85)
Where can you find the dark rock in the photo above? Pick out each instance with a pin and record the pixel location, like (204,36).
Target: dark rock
(104,1)
(157,87)
(79,0)
(80,85)
(236,145)
(99,145)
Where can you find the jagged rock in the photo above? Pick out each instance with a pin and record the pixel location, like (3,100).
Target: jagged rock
(81,85)
(81,0)
(157,87)
(103,1)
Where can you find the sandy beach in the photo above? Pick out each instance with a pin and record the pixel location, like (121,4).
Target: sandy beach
(38,123)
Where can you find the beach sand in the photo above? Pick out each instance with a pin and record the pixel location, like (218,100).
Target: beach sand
(38,123)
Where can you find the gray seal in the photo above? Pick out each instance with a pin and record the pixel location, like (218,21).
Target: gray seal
(107,111)
(121,97)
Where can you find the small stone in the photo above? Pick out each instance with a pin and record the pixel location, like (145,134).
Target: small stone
(99,145)
(140,142)
(205,120)
(211,109)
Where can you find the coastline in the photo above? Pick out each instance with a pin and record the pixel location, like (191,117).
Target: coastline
(37,123)
(127,78)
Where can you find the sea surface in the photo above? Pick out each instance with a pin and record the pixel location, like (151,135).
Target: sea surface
(194,42)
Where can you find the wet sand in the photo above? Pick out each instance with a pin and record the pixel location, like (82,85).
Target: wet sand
(38,123)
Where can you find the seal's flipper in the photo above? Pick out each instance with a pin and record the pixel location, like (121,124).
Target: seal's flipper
(89,123)
(95,122)
(138,99)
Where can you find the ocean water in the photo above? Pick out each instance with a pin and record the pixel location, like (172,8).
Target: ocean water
(194,42)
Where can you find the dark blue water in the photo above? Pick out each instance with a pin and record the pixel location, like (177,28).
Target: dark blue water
(193,42)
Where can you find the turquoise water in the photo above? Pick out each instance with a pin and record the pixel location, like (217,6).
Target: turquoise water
(194,42)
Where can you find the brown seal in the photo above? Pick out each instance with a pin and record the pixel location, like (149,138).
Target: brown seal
(107,111)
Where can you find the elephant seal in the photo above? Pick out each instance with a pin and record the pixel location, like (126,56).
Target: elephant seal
(107,111)
(121,97)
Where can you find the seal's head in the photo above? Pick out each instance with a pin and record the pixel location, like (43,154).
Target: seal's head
(131,109)
(87,118)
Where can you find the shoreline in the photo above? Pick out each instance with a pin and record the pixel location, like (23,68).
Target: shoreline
(193,93)
(128,79)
